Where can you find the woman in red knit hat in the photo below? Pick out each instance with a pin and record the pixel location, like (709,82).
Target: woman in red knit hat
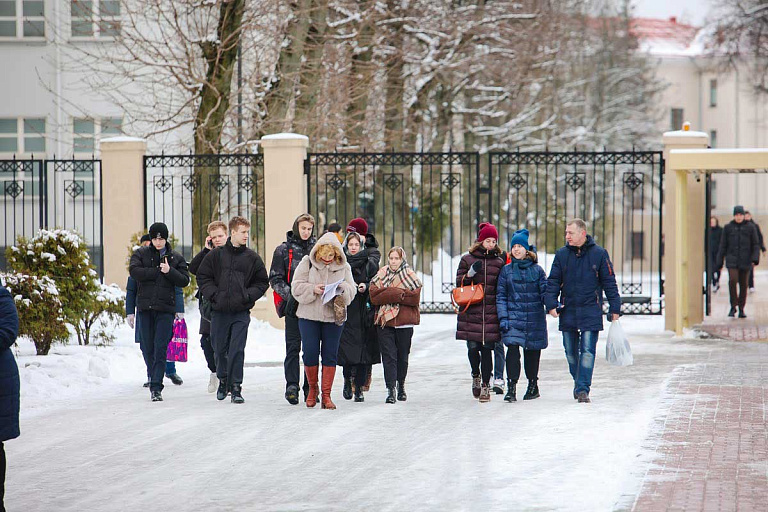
(479,324)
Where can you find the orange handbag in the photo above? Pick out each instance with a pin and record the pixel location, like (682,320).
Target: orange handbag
(466,295)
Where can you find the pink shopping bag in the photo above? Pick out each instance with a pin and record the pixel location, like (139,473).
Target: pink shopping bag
(177,347)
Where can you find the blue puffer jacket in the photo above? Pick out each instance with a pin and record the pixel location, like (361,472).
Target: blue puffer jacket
(130,303)
(9,372)
(578,278)
(520,302)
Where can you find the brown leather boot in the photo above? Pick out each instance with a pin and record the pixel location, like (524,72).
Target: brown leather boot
(329,372)
(311,372)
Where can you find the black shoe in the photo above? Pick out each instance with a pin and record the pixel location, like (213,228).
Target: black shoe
(146,384)
(221,393)
(157,396)
(583,397)
(237,396)
(511,395)
(401,391)
(575,396)
(347,391)
(359,395)
(292,395)
(175,379)
(742,314)
(390,395)
(533,390)
(732,312)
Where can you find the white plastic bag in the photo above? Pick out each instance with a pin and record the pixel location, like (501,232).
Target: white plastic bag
(617,351)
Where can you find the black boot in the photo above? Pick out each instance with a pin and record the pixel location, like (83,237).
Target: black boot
(237,394)
(732,312)
(401,391)
(347,391)
(533,390)
(221,393)
(390,395)
(359,395)
(292,394)
(175,379)
(511,395)
(157,396)
(742,314)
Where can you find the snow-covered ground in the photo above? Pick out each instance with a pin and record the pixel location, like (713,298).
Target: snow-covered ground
(92,440)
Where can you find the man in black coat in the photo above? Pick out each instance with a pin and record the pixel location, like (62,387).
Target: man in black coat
(287,256)
(217,237)
(9,380)
(715,234)
(158,270)
(740,248)
(748,218)
(233,278)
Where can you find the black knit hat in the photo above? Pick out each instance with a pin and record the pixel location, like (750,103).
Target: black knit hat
(145,238)
(738,209)
(158,229)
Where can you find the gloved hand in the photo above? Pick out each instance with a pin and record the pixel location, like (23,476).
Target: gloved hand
(504,325)
(131,321)
(475,268)
(180,316)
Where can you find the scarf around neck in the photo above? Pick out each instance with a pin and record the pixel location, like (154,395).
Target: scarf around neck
(403,278)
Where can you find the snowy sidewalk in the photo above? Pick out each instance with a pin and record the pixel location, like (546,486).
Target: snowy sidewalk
(107,447)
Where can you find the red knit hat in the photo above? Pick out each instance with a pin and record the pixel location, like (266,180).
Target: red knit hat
(487,230)
(358,226)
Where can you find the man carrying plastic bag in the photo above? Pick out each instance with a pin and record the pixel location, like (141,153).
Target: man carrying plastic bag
(617,351)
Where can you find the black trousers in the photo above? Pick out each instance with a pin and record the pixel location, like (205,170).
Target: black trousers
(2,477)
(292,352)
(531,360)
(229,332)
(395,348)
(358,371)
(752,277)
(156,332)
(210,355)
(481,359)
(738,276)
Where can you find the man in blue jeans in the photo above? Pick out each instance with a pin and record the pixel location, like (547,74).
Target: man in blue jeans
(581,272)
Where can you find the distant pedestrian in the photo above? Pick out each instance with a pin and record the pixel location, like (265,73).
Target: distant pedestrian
(581,272)
(233,277)
(715,234)
(217,237)
(740,250)
(522,315)
(158,271)
(396,290)
(335,228)
(761,241)
(479,323)
(9,381)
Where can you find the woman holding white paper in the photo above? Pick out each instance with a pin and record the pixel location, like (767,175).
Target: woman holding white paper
(321,316)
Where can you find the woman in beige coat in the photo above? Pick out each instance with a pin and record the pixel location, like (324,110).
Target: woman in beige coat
(321,315)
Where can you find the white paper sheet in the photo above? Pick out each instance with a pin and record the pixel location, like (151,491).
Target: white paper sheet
(331,290)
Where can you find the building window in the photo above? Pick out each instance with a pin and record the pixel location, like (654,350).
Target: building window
(638,242)
(34,135)
(87,132)
(713,138)
(713,194)
(22,19)
(95,18)
(9,136)
(26,135)
(676,122)
(713,93)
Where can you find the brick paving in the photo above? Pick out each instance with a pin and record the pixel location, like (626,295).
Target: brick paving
(711,444)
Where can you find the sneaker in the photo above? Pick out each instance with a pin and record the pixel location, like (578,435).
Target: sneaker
(292,395)
(485,393)
(237,396)
(498,386)
(583,397)
(175,379)
(213,383)
(752,289)
(476,383)
(221,393)
(157,396)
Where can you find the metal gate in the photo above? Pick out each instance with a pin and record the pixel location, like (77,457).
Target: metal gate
(48,194)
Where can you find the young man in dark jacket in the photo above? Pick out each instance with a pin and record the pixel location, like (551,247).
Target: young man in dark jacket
(287,256)
(9,380)
(233,277)
(217,237)
(740,249)
(158,270)
(581,271)
(748,218)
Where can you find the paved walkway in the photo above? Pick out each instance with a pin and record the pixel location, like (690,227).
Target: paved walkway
(711,447)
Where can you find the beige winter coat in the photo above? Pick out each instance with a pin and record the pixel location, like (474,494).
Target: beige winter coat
(311,272)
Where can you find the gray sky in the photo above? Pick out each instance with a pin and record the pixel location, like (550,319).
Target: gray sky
(691,11)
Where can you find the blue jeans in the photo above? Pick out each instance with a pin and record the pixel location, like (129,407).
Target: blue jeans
(498,361)
(580,351)
(312,332)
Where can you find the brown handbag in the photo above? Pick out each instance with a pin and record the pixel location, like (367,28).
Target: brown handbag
(466,295)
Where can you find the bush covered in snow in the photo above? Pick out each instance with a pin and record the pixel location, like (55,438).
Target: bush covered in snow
(62,256)
(41,317)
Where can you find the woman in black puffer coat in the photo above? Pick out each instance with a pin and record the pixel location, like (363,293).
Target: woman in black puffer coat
(359,348)
(479,324)
(9,379)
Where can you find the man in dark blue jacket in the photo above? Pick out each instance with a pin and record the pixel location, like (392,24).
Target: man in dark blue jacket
(9,380)
(581,272)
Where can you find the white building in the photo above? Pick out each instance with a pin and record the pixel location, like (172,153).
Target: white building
(718,101)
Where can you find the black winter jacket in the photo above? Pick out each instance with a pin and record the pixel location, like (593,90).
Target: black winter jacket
(157,291)
(715,235)
(480,322)
(9,372)
(232,278)
(739,246)
(372,248)
(760,238)
(194,266)
(288,253)
(359,342)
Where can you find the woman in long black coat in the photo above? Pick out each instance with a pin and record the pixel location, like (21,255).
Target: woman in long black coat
(359,348)
(9,380)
